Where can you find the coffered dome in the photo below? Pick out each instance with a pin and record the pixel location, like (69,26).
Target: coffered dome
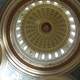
(41,36)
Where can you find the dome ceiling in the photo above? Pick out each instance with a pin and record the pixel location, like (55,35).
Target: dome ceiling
(41,37)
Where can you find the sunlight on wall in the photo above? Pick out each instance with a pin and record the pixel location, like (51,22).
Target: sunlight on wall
(7,74)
